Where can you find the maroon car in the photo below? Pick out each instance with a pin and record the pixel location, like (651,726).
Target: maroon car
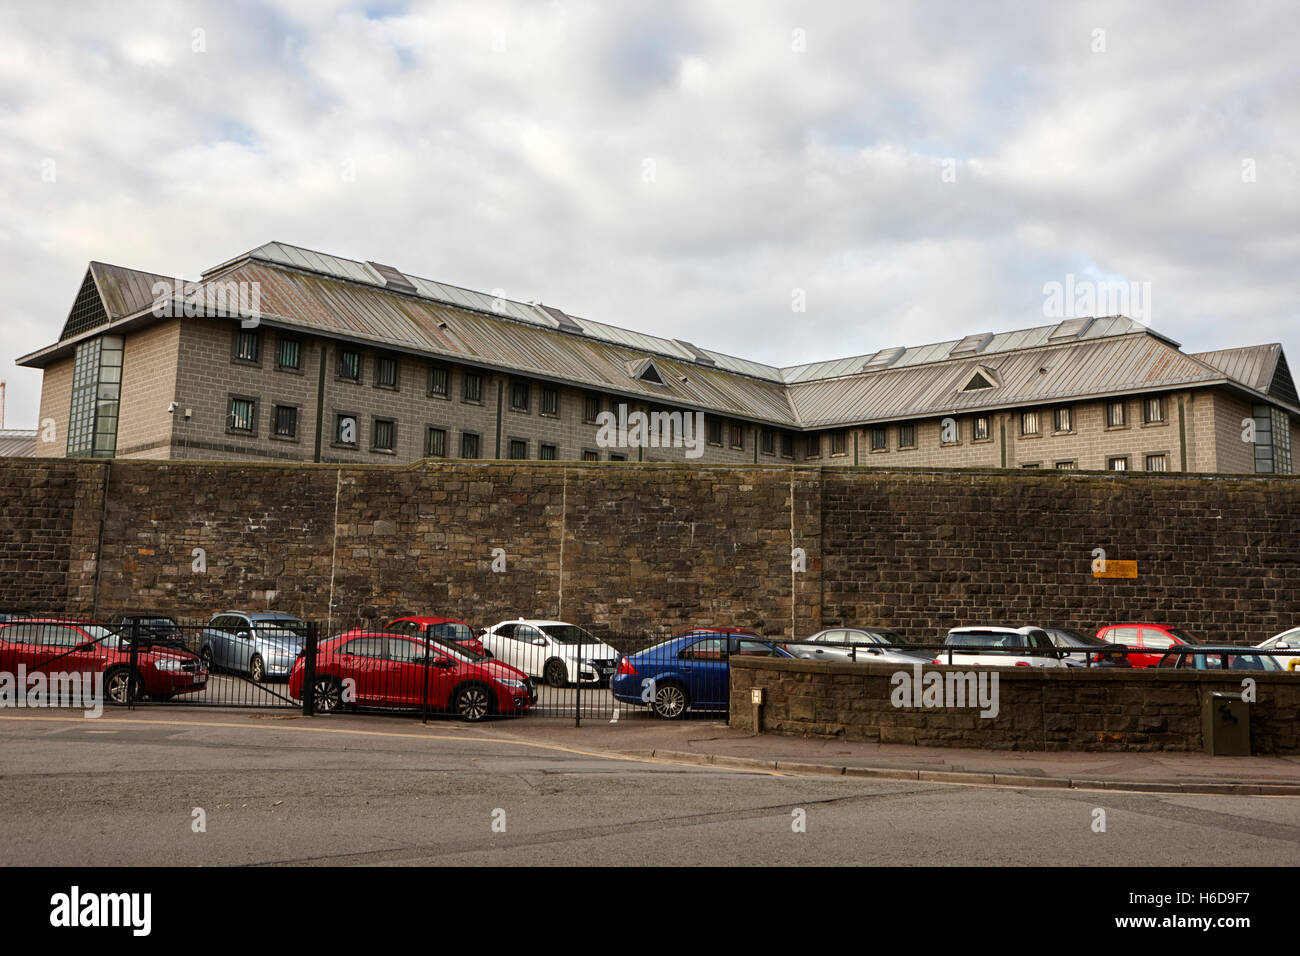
(54,645)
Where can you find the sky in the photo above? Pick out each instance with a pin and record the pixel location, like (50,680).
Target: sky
(786,182)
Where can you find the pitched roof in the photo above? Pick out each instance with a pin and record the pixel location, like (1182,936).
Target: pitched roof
(17,442)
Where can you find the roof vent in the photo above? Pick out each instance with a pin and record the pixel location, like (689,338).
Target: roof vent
(1071,329)
(972,344)
(984,377)
(696,353)
(561,319)
(883,359)
(646,371)
(392,278)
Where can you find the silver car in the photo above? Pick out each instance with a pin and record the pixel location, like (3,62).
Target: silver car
(261,644)
(874,644)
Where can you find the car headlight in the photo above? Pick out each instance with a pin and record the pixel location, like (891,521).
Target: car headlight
(514,683)
(169,665)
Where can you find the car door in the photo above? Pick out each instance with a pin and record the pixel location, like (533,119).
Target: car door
(408,664)
(365,660)
(1154,643)
(1128,636)
(17,642)
(531,654)
(703,665)
(821,651)
(499,642)
(220,630)
(1042,652)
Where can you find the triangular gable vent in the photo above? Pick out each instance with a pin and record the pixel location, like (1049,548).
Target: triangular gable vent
(88,310)
(646,371)
(1283,386)
(983,378)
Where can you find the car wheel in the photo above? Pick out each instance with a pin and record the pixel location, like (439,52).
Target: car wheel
(328,695)
(557,675)
(670,701)
(473,702)
(121,686)
(256,669)
(208,662)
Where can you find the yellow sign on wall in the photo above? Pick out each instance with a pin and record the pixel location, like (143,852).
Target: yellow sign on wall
(1117,569)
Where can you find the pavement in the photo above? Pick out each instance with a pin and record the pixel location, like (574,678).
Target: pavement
(713,742)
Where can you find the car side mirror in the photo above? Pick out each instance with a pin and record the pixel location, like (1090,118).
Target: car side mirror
(481,632)
(443,662)
(85,647)
(540,642)
(1282,647)
(244,634)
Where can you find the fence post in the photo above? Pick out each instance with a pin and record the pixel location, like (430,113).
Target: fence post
(428,662)
(309,642)
(577,690)
(135,660)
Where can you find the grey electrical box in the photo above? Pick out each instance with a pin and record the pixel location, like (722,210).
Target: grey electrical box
(1225,725)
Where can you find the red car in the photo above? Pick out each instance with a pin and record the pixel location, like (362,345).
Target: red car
(443,628)
(1147,643)
(377,669)
(55,645)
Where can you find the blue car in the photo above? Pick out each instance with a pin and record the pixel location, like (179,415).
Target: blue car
(261,644)
(688,672)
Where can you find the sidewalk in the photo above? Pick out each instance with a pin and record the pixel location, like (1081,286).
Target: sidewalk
(713,742)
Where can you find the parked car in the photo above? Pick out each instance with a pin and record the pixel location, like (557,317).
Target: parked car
(446,628)
(1146,643)
(1108,654)
(261,644)
(153,628)
(857,644)
(688,672)
(558,652)
(53,645)
(1009,647)
(1287,640)
(1222,657)
(390,670)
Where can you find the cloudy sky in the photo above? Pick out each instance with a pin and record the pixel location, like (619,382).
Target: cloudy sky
(909,172)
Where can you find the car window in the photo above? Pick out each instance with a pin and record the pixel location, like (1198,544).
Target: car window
(831,637)
(1122,635)
(403,650)
(1155,639)
(364,647)
(751,649)
(1039,640)
(22,633)
(569,634)
(506,630)
(452,631)
(983,639)
(402,627)
(708,649)
(1187,637)
(527,633)
(56,635)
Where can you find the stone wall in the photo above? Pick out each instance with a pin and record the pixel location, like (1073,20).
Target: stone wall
(1038,708)
(645,549)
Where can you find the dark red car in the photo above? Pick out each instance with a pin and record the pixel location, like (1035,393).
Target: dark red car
(442,628)
(1147,643)
(378,669)
(56,645)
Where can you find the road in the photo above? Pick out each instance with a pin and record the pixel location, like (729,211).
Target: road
(279,789)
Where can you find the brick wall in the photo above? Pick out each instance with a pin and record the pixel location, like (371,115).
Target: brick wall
(1037,708)
(649,548)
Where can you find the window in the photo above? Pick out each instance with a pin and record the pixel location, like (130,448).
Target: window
(839,443)
(518,449)
(906,436)
(435,443)
(1156,463)
(289,356)
(1153,409)
(1031,465)
(551,402)
(286,421)
(385,435)
(96,394)
(1115,415)
(468,445)
(1117,464)
(439,381)
(345,430)
(589,455)
(1064,420)
(1065,466)
(737,435)
(767,440)
(243,413)
(787,445)
(247,345)
(1029,423)
(546,453)
(519,396)
(472,388)
(614,457)
(879,439)
(813,446)
(1272,440)
(980,428)
(350,365)
(714,429)
(386,372)
(590,408)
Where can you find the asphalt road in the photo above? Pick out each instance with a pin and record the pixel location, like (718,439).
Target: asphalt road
(278,789)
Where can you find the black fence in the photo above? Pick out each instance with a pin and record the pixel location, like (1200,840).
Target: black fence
(273,661)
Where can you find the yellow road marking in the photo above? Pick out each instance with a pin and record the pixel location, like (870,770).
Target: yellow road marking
(388,733)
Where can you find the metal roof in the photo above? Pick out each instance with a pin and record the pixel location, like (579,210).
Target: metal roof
(17,442)
(377,304)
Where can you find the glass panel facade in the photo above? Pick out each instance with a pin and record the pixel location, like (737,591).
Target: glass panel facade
(96,397)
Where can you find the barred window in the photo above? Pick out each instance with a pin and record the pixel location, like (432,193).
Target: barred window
(350,365)
(839,443)
(787,445)
(980,428)
(469,445)
(737,435)
(1114,414)
(286,421)
(546,453)
(1029,423)
(243,413)
(590,408)
(714,429)
(472,388)
(518,449)
(1156,463)
(385,434)
(519,396)
(1117,464)
(879,439)
(550,401)
(435,445)
(247,343)
(1153,409)
(386,372)
(1064,419)
(439,381)
(906,436)
(290,356)
(769,441)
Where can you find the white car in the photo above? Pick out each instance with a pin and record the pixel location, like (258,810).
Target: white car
(553,650)
(1025,647)
(1287,640)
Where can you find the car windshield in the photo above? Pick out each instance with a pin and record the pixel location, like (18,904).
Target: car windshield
(452,631)
(1250,662)
(1187,637)
(985,639)
(280,627)
(455,651)
(105,636)
(1078,637)
(569,634)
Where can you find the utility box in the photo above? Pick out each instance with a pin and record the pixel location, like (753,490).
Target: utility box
(1225,724)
